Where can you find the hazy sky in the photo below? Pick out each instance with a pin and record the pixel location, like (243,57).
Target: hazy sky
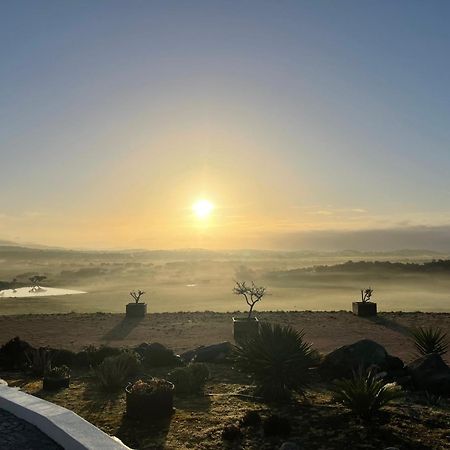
(289,116)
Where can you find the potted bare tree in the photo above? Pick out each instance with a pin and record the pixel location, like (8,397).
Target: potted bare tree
(136,309)
(366,307)
(246,327)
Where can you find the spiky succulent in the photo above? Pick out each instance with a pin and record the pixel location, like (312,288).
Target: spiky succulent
(364,394)
(429,340)
(277,359)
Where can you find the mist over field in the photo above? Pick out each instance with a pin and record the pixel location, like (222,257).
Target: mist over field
(202,280)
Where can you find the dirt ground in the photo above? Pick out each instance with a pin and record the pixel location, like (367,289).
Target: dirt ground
(184,331)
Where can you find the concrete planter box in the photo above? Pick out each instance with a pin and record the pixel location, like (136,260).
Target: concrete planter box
(365,309)
(143,406)
(136,309)
(244,328)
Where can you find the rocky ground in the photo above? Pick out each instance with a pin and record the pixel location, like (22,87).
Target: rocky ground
(184,331)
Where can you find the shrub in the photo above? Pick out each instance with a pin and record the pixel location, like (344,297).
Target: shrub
(429,340)
(231,433)
(58,373)
(39,361)
(251,419)
(278,359)
(62,357)
(156,355)
(276,426)
(96,355)
(13,354)
(150,386)
(114,371)
(189,380)
(365,395)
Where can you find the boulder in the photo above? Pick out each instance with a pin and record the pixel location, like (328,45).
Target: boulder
(430,373)
(364,354)
(208,353)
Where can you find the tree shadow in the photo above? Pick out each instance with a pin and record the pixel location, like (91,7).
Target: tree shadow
(391,324)
(122,329)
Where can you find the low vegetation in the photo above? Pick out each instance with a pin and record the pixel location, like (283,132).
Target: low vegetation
(429,340)
(115,371)
(364,394)
(278,361)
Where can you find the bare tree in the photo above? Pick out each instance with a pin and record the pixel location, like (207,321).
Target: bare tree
(252,294)
(366,294)
(137,295)
(36,281)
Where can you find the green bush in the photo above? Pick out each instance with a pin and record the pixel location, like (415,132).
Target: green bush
(365,395)
(113,373)
(189,380)
(157,355)
(278,360)
(13,354)
(96,355)
(429,340)
(39,361)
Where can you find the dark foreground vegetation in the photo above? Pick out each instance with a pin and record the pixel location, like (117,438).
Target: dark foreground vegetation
(273,389)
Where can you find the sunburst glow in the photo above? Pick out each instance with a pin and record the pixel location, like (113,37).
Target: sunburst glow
(202,208)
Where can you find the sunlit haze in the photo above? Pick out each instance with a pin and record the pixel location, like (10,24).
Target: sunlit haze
(288,125)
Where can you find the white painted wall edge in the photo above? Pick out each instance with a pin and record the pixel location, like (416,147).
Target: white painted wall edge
(65,427)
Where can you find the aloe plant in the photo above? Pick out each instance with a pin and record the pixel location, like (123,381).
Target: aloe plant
(364,394)
(429,340)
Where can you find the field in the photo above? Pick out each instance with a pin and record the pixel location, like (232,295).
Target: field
(203,281)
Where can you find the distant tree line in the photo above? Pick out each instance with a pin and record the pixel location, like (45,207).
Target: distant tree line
(435,266)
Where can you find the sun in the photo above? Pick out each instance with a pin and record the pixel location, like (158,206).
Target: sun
(202,208)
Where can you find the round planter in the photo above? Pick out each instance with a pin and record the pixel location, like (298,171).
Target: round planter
(52,384)
(136,310)
(244,328)
(158,404)
(364,309)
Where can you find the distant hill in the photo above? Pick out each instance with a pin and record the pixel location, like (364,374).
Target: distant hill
(440,266)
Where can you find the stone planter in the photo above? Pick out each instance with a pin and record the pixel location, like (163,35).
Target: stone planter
(136,310)
(53,384)
(244,328)
(143,406)
(365,309)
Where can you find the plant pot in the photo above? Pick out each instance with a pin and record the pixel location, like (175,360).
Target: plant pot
(158,404)
(244,328)
(53,384)
(365,309)
(136,309)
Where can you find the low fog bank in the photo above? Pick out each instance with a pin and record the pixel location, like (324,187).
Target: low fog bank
(199,280)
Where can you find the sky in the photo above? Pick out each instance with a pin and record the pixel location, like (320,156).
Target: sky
(292,118)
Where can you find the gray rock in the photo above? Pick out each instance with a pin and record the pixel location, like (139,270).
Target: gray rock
(364,354)
(209,353)
(3,382)
(289,446)
(430,373)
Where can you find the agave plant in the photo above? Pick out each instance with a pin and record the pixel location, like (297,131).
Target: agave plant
(429,340)
(277,359)
(364,394)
